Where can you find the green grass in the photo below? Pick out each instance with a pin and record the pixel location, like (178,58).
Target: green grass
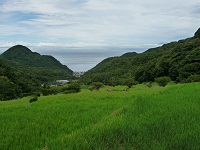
(140,118)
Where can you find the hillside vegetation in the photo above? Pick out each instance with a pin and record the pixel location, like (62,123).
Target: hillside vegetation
(25,56)
(141,118)
(23,71)
(180,61)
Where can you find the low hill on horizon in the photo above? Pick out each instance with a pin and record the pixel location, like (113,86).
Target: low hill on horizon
(180,61)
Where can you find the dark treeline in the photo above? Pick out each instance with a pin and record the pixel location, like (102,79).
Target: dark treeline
(179,61)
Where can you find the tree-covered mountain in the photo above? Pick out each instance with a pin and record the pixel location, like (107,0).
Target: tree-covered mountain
(47,68)
(178,60)
(28,58)
(23,71)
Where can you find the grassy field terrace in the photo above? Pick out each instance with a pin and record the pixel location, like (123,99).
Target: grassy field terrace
(111,118)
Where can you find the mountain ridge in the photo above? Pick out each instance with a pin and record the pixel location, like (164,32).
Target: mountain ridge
(24,55)
(180,61)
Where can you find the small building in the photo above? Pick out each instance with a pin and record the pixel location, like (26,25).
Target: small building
(62,82)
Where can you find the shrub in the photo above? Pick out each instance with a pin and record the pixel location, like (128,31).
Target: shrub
(149,84)
(64,88)
(36,94)
(75,87)
(96,86)
(91,88)
(129,82)
(193,78)
(34,99)
(72,88)
(46,92)
(69,92)
(162,81)
(24,95)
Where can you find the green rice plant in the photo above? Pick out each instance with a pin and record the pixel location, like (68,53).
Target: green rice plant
(140,118)
(160,120)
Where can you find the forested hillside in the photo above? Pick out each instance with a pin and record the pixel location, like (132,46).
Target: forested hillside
(16,80)
(180,61)
(28,58)
(23,71)
(47,68)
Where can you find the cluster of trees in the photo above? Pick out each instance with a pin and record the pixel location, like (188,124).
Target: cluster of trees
(179,61)
(73,87)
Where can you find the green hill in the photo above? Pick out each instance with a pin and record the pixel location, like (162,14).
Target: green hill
(28,58)
(46,68)
(178,60)
(23,71)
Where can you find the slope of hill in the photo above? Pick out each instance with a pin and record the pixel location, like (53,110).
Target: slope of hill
(178,60)
(23,71)
(28,58)
(47,68)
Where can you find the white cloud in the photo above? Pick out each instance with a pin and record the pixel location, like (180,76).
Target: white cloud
(94,22)
(61,27)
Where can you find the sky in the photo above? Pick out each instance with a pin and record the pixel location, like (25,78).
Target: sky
(109,27)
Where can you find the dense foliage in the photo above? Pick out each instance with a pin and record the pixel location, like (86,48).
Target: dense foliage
(22,72)
(16,80)
(162,81)
(73,87)
(96,86)
(180,61)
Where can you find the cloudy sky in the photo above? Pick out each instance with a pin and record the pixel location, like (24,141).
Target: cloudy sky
(96,23)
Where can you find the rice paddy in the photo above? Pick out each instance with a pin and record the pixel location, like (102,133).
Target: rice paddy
(112,118)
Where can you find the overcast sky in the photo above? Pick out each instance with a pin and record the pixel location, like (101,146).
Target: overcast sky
(88,23)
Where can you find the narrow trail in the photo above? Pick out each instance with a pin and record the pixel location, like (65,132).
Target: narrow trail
(113,114)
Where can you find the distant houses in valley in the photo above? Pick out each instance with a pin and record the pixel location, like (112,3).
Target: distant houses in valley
(78,74)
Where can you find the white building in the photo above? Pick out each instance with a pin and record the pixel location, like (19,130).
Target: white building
(62,82)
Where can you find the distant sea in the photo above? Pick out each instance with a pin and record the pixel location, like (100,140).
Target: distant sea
(81,58)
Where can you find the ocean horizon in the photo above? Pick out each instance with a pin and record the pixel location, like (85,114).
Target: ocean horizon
(81,59)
